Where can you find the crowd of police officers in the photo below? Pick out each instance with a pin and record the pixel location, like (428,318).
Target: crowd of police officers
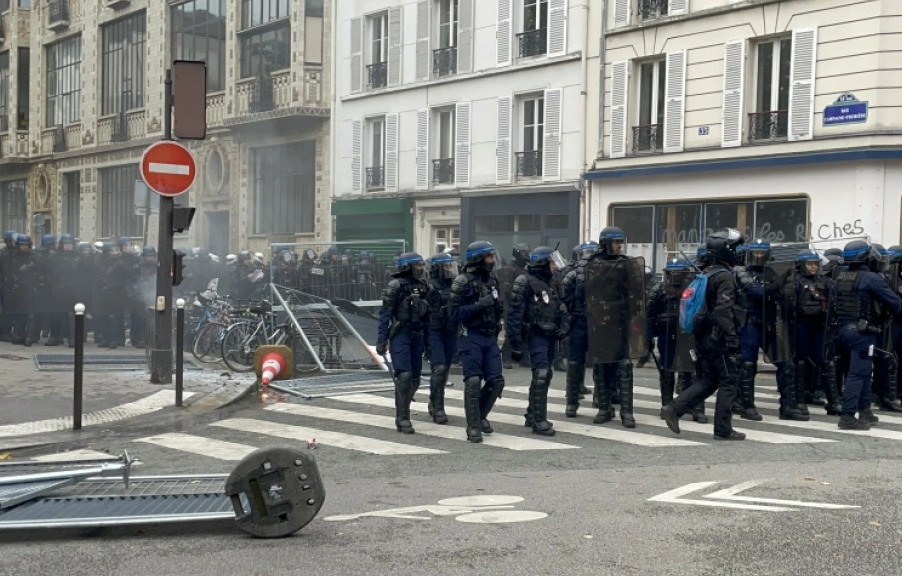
(827,321)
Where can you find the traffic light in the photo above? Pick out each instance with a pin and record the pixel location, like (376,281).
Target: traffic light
(181,218)
(178,268)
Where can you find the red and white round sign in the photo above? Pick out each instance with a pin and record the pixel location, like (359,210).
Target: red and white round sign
(168,168)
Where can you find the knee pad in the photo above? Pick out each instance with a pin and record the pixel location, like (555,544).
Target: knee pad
(497,385)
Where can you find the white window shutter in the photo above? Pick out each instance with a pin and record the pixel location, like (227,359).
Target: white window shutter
(423,149)
(395,40)
(675,102)
(462,145)
(733,86)
(557,27)
(504,33)
(465,36)
(551,147)
(391,152)
(619,84)
(503,149)
(357,155)
(801,84)
(423,54)
(678,7)
(356,55)
(622,13)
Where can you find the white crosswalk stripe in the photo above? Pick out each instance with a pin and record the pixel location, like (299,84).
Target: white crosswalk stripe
(219,449)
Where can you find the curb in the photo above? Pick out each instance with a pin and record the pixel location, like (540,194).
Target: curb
(219,399)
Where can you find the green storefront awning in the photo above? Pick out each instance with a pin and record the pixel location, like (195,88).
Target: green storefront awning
(373,219)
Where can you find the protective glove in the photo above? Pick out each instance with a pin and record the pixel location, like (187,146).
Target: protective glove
(381,348)
(561,334)
(516,356)
(487,301)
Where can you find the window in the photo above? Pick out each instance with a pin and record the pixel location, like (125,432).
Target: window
(23,88)
(443,164)
(266,38)
(375,172)
(533,41)
(446,237)
(529,160)
(285,188)
(4,91)
(650,9)
(648,136)
(313,32)
(771,116)
(259,12)
(123,64)
(4,5)
(14,209)
(199,33)
(377,69)
(71,202)
(117,202)
(64,82)
(444,58)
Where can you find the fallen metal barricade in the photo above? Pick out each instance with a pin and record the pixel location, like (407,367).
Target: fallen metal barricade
(271,493)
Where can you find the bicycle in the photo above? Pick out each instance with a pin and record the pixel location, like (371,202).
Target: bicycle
(241,340)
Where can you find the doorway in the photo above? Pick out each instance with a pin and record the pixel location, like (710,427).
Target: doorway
(218,233)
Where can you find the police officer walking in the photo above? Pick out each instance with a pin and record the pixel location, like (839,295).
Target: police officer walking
(859,291)
(506,277)
(476,305)
(442,332)
(403,321)
(716,340)
(573,292)
(538,317)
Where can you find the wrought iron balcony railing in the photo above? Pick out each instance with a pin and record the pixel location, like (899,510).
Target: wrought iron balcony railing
(768,126)
(533,43)
(59,139)
(443,171)
(529,164)
(58,13)
(648,139)
(444,61)
(377,75)
(375,177)
(120,128)
(651,9)
(261,94)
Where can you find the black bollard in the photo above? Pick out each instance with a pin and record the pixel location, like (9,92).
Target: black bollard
(79,365)
(179,349)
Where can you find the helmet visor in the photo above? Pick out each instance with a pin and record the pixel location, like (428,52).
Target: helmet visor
(758,257)
(811,267)
(676,277)
(418,270)
(557,261)
(450,270)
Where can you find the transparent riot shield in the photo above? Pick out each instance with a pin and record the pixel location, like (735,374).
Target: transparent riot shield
(615,309)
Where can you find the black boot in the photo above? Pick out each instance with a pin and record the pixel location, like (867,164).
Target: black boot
(834,402)
(437,394)
(625,379)
(538,402)
(849,422)
(602,396)
(799,377)
(697,411)
(667,382)
(747,391)
(527,418)
(403,394)
(576,373)
(789,398)
(471,409)
(487,397)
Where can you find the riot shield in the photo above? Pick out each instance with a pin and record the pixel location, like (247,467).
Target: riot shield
(18,273)
(779,311)
(40,280)
(615,309)
(63,281)
(675,346)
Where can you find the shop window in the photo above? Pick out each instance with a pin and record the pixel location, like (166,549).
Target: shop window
(738,215)
(677,230)
(781,221)
(770,120)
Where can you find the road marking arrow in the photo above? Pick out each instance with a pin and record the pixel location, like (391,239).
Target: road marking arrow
(727,498)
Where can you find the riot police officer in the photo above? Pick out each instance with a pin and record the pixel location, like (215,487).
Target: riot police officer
(859,291)
(141,296)
(18,292)
(834,261)
(476,305)
(442,344)
(9,245)
(716,340)
(894,277)
(662,323)
(403,321)
(506,277)
(573,293)
(537,317)
(46,312)
(885,363)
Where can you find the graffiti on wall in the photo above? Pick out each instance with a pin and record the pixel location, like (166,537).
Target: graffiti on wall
(836,230)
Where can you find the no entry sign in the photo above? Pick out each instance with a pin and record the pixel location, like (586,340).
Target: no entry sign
(168,168)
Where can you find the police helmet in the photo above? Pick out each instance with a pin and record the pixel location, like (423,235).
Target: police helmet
(443,266)
(85,248)
(149,251)
(10,236)
(242,256)
(586,249)
(125,244)
(231,258)
(111,249)
(894,254)
(676,271)
(832,253)
(309,255)
(856,252)
(520,253)
(67,239)
(758,253)
(477,252)
(411,264)
(48,241)
(609,237)
(544,257)
(808,263)
(23,240)
(722,245)
(879,248)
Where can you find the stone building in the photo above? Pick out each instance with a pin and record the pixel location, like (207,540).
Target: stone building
(81,97)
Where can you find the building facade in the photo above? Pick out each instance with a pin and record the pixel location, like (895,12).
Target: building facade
(460,119)
(81,97)
(779,117)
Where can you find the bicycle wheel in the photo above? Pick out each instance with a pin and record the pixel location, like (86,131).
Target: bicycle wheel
(239,343)
(208,340)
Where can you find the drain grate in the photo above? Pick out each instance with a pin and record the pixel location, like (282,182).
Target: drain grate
(97,362)
(336,384)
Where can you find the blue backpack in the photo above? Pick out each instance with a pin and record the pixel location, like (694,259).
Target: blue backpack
(693,306)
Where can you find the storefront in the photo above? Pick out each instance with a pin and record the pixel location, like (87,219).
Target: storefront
(373,219)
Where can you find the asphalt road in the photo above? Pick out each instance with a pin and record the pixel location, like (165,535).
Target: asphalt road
(579,505)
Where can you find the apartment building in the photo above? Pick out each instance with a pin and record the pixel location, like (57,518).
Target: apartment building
(779,117)
(460,119)
(81,97)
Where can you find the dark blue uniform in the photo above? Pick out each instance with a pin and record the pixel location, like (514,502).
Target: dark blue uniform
(812,372)
(573,292)
(442,345)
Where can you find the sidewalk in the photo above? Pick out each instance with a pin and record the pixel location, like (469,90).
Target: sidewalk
(40,401)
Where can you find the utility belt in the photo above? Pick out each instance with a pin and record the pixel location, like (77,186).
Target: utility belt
(398,326)
(862,326)
(483,330)
(544,328)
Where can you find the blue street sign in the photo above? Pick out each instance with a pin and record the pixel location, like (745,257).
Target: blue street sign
(846,110)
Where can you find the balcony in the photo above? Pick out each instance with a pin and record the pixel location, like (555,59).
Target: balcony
(651,9)
(771,126)
(58,15)
(533,43)
(444,61)
(116,4)
(260,95)
(443,171)
(648,139)
(377,75)
(58,136)
(375,177)
(215,109)
(529,164)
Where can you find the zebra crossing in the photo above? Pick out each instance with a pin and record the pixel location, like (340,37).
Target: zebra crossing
(364,424)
